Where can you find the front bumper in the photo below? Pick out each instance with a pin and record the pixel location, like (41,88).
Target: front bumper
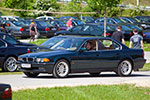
(37,67)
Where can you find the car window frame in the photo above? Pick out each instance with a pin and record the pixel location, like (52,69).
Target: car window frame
(120,46)
(4,44)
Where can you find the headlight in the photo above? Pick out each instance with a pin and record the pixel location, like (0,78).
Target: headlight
(144,25)
(20,59)
(42,60)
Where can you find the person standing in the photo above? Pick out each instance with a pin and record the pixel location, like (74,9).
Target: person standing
(69,23)
(118,35)
(136,40)
(33,31)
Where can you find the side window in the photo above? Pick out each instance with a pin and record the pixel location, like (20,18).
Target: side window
(91,45)
(86,29)
(105,44)
(76,29)
(97,30)
(2,44)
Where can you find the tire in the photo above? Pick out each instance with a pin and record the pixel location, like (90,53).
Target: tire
(31,74)
(61,69)
(125,68)
(94,74)
(10,64)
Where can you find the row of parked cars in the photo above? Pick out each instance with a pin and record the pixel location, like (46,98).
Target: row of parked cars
(51,26)
(12,48)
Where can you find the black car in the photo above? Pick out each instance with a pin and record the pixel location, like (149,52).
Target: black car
(43,28)
(10,49)
(75,22)
(10,39)
(58,24)
(87,19)
(86,30)
(5,92)
(74,55)
(109,20)
(17,29)
(143,25)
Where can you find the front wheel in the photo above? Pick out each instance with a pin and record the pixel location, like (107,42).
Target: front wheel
(61,69)
(31,74)
(125,68)
(10,64)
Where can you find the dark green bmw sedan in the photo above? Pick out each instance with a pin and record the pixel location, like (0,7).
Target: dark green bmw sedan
(83,54)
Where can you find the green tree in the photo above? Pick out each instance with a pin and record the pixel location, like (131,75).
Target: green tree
(45,5)
(19,4)
(108,7)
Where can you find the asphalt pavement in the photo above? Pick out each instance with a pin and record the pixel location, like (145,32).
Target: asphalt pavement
(19,82)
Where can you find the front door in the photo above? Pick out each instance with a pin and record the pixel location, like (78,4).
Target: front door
(2,52)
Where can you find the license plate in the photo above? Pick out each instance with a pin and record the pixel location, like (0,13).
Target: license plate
(53,29)
(26,65)
(27,29)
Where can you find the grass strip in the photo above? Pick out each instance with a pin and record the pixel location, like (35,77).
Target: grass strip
(91,92)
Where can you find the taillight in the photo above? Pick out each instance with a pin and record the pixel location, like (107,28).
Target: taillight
(58,29)
(143,34)
(21,29)
(131,34)
(107,34)
(47,29)
(7,93)
(28,51)
(143,54)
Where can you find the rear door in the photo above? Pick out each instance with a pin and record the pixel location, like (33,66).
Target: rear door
(109,53)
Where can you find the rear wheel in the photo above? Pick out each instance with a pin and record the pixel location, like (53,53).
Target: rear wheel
(125,68)
(31,74)
(10,64)
(61,69)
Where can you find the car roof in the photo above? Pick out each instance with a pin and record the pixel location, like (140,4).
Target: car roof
(83,37)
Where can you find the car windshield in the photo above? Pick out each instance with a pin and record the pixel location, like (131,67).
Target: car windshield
(133,26)
(42,23)
(18,23)
(61,23)
(78,22)
(118,20)
(52,41)
(124,28)
(70,44)
(133,20)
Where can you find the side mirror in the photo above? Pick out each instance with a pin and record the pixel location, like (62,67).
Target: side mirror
(82,49)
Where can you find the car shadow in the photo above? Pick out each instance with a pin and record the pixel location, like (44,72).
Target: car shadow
(49,76)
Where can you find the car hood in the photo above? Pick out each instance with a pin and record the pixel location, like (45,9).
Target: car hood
(49,53)
(61,32)
(25,44)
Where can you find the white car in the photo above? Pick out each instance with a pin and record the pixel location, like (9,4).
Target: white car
(46,17)
(16,18)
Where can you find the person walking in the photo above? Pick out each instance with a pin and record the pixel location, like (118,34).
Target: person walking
(118,35)
(136,40)
(33,31)
(69,23)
